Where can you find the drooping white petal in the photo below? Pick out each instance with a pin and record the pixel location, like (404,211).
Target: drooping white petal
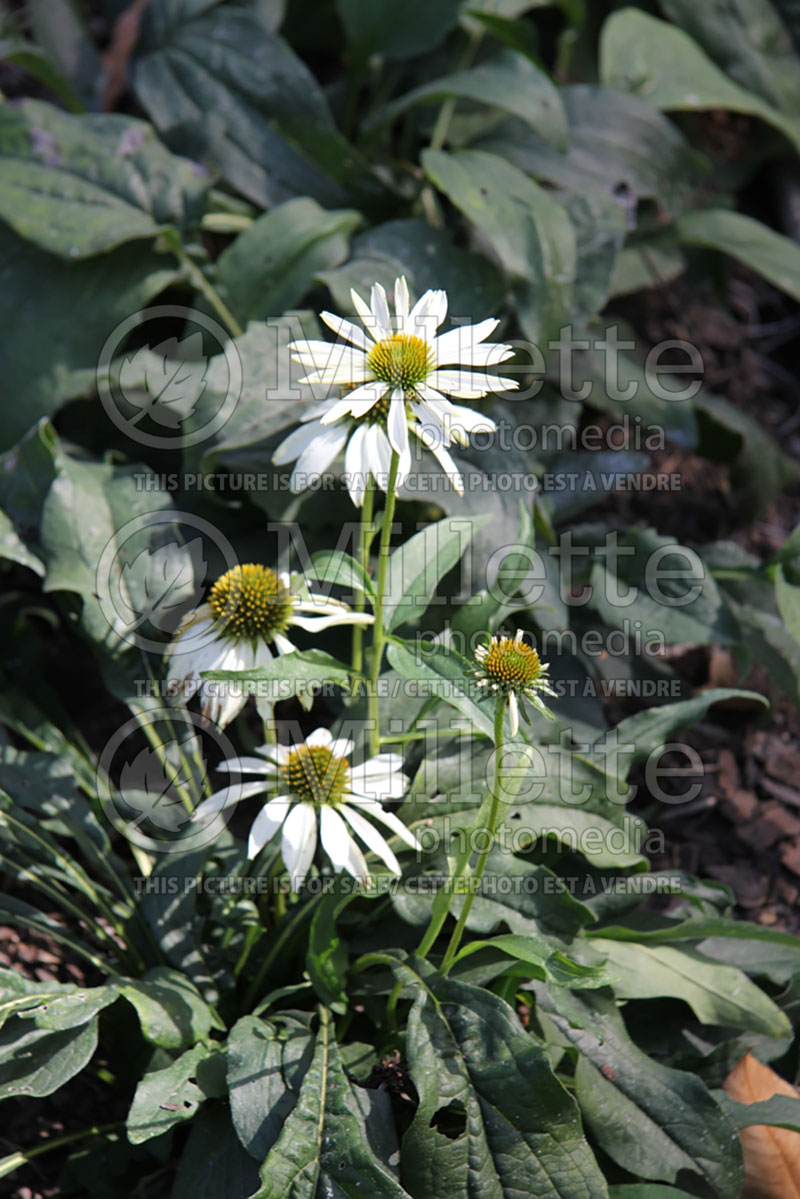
(339,844)
(447,463)
(354,468)
(513,713)
(317,456)
(356,403)
(397,430)
(282,644)
(299,841)
(370,836)
(267,823)
(297,441)
(225,707)
(225,797)
(374,809)
(347,329)
(378,454)
(469,385)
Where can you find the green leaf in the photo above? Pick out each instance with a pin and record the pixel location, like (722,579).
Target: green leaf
(332,566)
(53,1006)
(540,960)
(267,1060)
(289,675)
(788,596)
(416,567)
(35,1061)
(442,674)
(760,470)
(508,81)
(171,1010)
(761,249)
(322,1149)
(530,232)
(213,1163)
(53,341)
(79,185)
(779,1111)
(647,1191)
(166,1097)
(749,41)
(272,265)
(492,1117)
(662,65)
(60,28)
(654,1121)
(379,26)
(223,89)
(426,256)
(717,994)
(29,57)
(13,549)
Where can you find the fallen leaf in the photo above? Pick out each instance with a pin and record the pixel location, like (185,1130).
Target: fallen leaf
(771,1155)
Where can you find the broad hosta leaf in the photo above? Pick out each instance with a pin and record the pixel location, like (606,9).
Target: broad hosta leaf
(224,89)
(171,1010)
(380,26)
(662,65)
(717,994)
(416,567)
(35,1061)
(763,250)
(771,1155)
(749,41)
(509,81)
(322,1149)
(78,185)
(654,1121)
(267,1060)
(166,1097)
(492,1118)
(273,263)
(529,231)
(69,310)
(426,256)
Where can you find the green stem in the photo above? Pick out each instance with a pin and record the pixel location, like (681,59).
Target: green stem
(365,535)
(288,928)
(202,284)
(491,828)
(16,1161)
(378,632)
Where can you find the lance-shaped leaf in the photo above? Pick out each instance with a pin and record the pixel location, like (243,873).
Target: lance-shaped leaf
(654,1121)
(323,1149)
(416,567)
(492,1119)
(761,249)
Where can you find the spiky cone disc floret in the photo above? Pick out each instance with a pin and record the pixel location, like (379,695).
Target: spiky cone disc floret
(319,795)
(393,379)
(240,626)
(511,669)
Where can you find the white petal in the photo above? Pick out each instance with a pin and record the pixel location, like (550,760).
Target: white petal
(248,765)
(513,713)
(378,453)
(318,624)
(225,797)
(448,465)
(401,302)
(357,475)
(470,385)
(296,442)
(283,644)
(329,356)
(299,841)
(397,424)
(370,836)
(374,809)
(357,402)
(347,329)
(267,823)
(377,786)
(467,344)
(318,456)
(367,318)
(427,315)
(383,764)
(339,845)
(380,307)
(341,747)
(319,737)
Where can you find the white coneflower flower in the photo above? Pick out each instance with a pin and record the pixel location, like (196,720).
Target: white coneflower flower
(242,622)
(395,380)
(319,792)
(509,667)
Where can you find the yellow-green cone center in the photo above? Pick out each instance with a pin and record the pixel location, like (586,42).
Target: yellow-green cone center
(251,602)
(314,775)
(401,361)
(511,665)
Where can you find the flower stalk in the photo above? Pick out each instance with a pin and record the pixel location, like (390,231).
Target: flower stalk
(378,631)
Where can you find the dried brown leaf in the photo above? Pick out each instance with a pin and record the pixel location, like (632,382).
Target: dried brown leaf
(771,1155)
